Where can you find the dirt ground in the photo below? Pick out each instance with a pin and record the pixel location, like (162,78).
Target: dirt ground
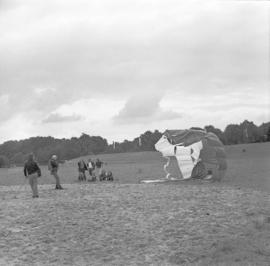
(135,224)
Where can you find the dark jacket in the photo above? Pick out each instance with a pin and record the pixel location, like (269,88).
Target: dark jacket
(82,166)
(31,167)
(53,165)
(99,164)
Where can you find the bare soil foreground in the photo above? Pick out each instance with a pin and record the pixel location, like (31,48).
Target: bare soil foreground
(135,224)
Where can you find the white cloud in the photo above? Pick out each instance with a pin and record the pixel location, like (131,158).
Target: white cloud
(144,108)
(43,91)
(56,118)
(4,99)
(61,57)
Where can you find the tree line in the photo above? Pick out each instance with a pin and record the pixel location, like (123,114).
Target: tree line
(15,152)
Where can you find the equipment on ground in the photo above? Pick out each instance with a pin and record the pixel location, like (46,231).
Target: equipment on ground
(199,154)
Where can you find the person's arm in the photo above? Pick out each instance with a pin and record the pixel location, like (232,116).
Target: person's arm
(38,170)
(49,165)
(25,171)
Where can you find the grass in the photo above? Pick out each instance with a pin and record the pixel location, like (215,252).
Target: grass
(127,223)
(246,169)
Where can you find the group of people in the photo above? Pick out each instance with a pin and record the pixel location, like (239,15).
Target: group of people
(94,169)
(32,172)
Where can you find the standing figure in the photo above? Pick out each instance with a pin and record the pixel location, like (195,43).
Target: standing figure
(91,168)
(53,166)
(99,166)
(32,172)
(82,167)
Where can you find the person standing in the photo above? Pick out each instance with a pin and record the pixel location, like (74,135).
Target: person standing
(32,172)
(82,167)
(91,168)
(99,166)
(53,168)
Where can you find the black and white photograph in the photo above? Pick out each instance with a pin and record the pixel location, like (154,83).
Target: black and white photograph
(134,132)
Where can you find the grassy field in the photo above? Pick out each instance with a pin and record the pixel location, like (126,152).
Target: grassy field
(128,223)
(246,169)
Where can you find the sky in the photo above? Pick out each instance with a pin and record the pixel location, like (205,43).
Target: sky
(119,68)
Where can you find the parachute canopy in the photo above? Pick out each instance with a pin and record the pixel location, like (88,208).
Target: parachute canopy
(199,154)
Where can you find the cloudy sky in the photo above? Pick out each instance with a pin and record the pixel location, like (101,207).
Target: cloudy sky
(118,68)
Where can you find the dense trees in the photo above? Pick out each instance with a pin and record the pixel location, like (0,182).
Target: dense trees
(4,161)
(246,132)
(145,142)
(15,152)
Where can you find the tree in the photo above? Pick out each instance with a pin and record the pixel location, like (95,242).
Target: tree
(250,132)
(268,134)
(233,134)
(18,158)
(216,131)
(4,161)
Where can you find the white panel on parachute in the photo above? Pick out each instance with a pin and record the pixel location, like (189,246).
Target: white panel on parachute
(187,157)
(165,147)
(185,163)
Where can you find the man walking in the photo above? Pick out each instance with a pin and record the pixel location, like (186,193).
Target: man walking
(32,172)
(53,168)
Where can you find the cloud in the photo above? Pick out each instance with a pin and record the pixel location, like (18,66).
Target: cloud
(44,91)
(57,118)
(55,53)
(4,99)
(144,108)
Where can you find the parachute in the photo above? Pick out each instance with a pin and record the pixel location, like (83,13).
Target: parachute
(199,154)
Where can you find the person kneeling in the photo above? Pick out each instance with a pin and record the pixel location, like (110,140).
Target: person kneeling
(109,176)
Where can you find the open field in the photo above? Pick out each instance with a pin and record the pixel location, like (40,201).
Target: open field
(246,169)
(127,223)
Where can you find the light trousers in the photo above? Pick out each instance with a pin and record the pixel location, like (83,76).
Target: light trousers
(57,178)
(33,183)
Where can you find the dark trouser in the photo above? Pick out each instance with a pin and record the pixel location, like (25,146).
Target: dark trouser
(33,183)
(57,179)
(82,175)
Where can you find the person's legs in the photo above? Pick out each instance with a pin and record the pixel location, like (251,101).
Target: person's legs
(100,171)
(30,179)
(35,187)
(33,184)
(57,180)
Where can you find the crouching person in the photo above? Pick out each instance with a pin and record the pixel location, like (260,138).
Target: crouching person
(102,175)
(32,172)
(106,176)
(109,176)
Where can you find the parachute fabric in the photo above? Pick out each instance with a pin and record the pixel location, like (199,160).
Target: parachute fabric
(198,153)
